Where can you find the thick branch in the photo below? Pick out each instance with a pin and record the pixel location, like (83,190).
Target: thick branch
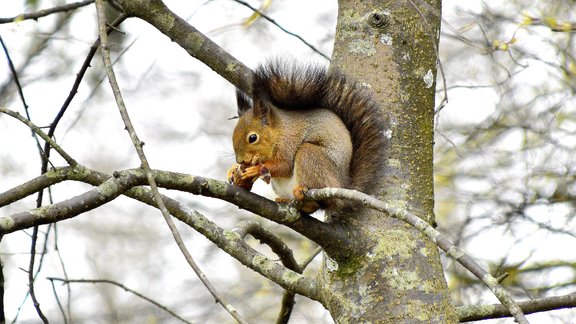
(324,234)
(194,42)
(107,191)
(333,239)
(111,187)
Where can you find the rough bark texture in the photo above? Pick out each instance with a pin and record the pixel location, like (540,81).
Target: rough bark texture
(389,46)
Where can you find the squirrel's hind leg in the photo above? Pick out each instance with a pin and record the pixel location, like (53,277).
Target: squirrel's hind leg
(314,169)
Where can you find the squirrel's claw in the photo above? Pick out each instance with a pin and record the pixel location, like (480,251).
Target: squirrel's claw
(307,206)
(298,192)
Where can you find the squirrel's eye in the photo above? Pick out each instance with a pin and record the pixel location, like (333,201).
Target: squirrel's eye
(252,138)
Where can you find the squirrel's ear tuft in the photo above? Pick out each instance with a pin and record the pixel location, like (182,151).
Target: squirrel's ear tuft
(243,101)
(263,111)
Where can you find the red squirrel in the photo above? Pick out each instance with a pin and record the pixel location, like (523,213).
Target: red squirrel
(306,128)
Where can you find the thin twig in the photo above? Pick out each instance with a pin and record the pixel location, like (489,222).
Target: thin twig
(40,133)
(44,157)
(31,276)
(58,301)
(138,145)
(246,4)
(68,313)
(436,237)
(96,85)
(94,281)
(37,47)
(20,91)
(79,77)
(46,12)
(312,256)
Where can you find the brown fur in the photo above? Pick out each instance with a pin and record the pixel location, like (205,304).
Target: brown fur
(297,136)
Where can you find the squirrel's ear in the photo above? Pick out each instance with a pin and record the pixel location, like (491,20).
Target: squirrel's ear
(263,111)
(244,103)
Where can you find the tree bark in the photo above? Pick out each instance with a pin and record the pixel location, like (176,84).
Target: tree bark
(391,47)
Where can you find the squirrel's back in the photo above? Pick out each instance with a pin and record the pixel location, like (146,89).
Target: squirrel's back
(293,87)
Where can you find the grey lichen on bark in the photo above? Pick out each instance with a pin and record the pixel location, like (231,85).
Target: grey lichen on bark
(389,47)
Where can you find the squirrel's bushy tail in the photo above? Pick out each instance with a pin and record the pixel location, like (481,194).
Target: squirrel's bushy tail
(296,87)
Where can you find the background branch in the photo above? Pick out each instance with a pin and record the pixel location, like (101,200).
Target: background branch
(483,312)
(39,132)
(117,284)
(46,12)
(273,22)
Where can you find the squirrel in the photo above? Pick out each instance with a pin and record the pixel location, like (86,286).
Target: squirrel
(307,127)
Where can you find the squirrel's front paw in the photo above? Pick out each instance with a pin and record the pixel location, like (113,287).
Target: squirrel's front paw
(251,172)
(257,171)
(237,176)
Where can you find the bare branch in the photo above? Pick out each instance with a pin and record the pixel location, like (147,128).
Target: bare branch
(260,233)
(436,237)
(117,284)
(40,133)
(30,273)
(312,256)
(273,22)
(58,301)
(21,93)
(483,312)
(138,145)
(46,12)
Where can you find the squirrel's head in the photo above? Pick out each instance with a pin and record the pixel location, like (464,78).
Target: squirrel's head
(256,133)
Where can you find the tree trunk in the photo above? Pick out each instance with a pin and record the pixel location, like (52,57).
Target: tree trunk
(390,46)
